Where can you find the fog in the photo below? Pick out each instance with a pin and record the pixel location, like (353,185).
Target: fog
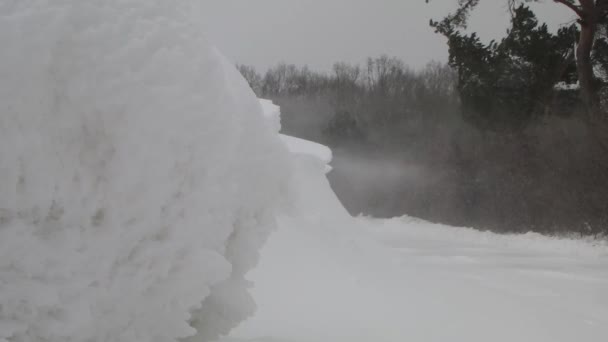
(364,183)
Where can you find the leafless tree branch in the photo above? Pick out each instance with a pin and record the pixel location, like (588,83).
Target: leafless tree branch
(572,6)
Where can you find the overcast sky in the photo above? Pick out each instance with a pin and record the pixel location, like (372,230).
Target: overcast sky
(321,32)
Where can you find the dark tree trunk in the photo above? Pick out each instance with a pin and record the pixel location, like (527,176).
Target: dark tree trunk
(585,66)
(590,14)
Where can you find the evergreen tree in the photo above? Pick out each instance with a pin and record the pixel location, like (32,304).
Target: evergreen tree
(506,84)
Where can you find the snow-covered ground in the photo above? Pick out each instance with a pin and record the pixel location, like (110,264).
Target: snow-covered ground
(325,276)
(139,179)
(424,282)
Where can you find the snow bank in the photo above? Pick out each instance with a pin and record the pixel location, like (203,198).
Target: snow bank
(272,113)
(138,177)
(309,190)
(313,261)
(296,146)
(303,147)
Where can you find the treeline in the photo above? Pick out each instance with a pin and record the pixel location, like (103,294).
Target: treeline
(495,140)
(379,105)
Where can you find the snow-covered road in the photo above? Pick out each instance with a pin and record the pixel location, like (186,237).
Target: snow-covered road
(408,280)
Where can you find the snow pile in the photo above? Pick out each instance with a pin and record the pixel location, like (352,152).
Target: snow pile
(303,147)
(272,113)
(138,177)
(296,146)
(310,192)
(313,261)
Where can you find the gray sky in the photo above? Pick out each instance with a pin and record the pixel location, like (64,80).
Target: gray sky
(321,32)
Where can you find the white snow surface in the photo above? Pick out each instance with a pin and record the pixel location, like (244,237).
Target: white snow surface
(326,276)
(296,146)
(334,278)
(306,147)
(272,113)
(566,86)
(138,177)
(139,180)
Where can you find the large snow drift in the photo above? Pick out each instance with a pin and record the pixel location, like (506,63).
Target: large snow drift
(138,178)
